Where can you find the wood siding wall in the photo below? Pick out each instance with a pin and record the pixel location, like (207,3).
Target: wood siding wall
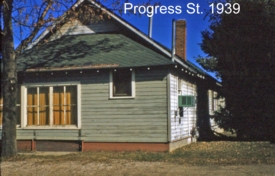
(48,134)
(181,126)
(141,119)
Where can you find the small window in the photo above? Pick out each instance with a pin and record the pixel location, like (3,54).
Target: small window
(122,83)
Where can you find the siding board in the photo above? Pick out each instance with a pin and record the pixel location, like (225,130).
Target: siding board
(60,134)
(130,116)
(123,127)
(123,138)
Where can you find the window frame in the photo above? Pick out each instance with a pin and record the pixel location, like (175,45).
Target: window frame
(1,107)
(18,104)
(24,88)
(212,98)
(111,84)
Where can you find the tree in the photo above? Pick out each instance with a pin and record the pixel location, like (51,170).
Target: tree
(241,51)
(9,90)
(25,20)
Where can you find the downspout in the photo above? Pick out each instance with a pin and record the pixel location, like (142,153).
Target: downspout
(169,132)
(168,108)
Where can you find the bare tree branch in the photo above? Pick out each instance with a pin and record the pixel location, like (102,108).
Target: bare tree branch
(40,22)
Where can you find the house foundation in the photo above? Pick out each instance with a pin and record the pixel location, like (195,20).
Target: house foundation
(72,146)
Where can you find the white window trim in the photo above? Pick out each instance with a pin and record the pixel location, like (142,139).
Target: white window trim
(2,105)
(213,101)
(50,84)
(133,86)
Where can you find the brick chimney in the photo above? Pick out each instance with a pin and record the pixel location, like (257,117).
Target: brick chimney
(180,39)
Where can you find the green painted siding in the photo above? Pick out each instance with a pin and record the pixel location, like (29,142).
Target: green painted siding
(48,134)
(142,119)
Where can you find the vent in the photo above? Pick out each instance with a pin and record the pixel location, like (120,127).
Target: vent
(186,101)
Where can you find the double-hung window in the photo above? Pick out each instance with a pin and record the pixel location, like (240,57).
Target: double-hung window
(122,83)
(18,108)
(52,105)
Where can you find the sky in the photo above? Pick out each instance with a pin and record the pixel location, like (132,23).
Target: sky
(162,24)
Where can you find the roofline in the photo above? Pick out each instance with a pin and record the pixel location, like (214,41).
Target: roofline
(160,47)
(90,67)
(150,40)
(119,19)
(132,28)
(145,37)
(43,34)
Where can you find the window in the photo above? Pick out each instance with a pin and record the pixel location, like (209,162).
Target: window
(57,105)
(18,108)
(122,83)
(1,110)
(38,106)
(213,101)
(64,105)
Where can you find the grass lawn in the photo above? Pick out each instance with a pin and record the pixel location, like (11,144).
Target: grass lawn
(197,154)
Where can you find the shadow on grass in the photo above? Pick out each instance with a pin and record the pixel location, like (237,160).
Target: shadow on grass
(231,137)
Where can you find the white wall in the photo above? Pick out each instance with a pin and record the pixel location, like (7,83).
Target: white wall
(181,126)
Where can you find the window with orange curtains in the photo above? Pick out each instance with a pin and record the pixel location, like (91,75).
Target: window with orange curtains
(44,106)
(38,106)
(71,111)
(53,105)
(58,105)
(64,105)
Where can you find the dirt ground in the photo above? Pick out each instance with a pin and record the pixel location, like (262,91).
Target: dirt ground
(126,168)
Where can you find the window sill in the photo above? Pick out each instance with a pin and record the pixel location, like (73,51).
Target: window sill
(17,126)
(114,98)
(50,127)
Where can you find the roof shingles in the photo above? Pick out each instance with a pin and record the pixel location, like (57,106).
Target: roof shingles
(92,49)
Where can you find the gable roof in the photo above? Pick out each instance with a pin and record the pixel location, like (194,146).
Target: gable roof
(162,52)
(116,18)
(90,51)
